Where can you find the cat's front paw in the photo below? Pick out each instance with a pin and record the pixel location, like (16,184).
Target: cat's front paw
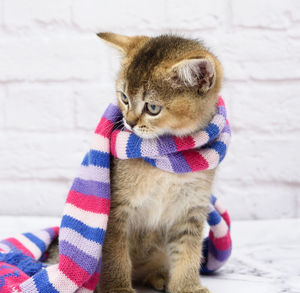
(196,289)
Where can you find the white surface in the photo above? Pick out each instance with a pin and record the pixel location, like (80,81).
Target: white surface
(56,78)
(265,259)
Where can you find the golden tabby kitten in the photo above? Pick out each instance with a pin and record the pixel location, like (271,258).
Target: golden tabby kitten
(166,85)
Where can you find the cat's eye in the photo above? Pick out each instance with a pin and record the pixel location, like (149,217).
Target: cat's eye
(124,98)
(153,109)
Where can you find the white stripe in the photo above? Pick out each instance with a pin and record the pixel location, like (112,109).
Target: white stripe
(44,236)
(219,230)
(29,286)
(5,247)
(219,120)
(30,246)
(149,148)
(121,143)
(219,207)
(60,281)
(91,219)
(95,173)
(89,247)
(164,163)
(225,138)
(200,138)
(211,156)
(100,143)
(213,264)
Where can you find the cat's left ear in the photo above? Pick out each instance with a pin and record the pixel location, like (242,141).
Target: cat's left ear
(199,73)
(121,42)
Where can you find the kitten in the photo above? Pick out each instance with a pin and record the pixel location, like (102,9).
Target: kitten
(166,85)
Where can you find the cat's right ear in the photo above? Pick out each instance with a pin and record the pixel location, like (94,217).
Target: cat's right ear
(121,42)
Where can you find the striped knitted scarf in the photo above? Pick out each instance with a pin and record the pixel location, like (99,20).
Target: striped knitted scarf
(84,222)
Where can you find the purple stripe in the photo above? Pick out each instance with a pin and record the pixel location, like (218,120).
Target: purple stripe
(51,232)
(10,245)
(220,255)
(222,111)
(85,261)
(179,163)
(213,264)
(226,128)
(166,145)
(112,113)
(90,187)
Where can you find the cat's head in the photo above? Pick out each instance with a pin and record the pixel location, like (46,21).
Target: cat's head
(166,85)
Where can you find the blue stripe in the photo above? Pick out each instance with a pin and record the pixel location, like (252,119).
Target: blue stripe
(37,241)
(213,218)
(213,199)
(42,282)
(94,234)
(96,158)
(220,148)
(212,130)
(133,148)
(150,161)
(90,187)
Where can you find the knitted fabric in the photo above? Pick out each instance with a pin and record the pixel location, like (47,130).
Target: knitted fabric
(87,206)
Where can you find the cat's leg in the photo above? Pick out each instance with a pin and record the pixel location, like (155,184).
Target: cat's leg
(185,252)
(157,280)
(115,275)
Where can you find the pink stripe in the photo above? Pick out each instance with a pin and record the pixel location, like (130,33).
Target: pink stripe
(221,102)
(226,218)
(113,142)
(104,127)
(20,246)
(89,203)
(92,282)
(222,243)
(72,270)
(184,143)
(195,160)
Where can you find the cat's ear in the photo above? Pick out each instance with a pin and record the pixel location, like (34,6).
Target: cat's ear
(121,42)
(199,73)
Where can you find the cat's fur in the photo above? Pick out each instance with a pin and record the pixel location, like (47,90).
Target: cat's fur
(156,220)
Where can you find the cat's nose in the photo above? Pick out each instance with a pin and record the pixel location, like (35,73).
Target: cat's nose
(131,123)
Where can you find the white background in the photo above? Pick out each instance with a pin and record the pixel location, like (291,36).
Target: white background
(57,77)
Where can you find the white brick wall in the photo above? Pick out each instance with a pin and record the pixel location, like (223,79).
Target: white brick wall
(56,78)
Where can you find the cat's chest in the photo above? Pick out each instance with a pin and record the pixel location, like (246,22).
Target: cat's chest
(157,197)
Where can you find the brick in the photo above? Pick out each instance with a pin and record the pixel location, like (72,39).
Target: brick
(39,108)
(118,16)
(257,201)
(273,70)
(195,16)
(31,197)
(255,158)
(52,58)
(35,13)
(257,46)
(295,14)
(2,110)
(265,109)
(261,13)
(91,103)
(44,156)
